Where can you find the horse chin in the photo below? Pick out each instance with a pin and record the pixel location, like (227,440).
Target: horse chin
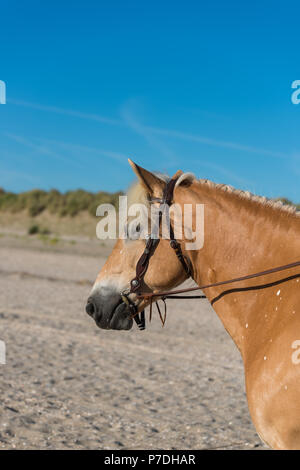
(120,319)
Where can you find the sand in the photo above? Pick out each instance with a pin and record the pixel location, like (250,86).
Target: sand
(69,385)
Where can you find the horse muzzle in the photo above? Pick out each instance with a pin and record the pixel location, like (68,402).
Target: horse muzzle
(109,311)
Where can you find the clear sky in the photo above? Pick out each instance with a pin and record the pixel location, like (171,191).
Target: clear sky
(202,86)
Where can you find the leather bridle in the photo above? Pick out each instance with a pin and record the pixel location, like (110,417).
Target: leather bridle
(143,264)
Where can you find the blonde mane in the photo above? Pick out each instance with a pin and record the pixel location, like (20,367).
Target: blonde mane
(138,194)
(272,203)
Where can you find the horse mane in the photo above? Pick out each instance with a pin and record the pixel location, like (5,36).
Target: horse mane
(247,195)
(138,194)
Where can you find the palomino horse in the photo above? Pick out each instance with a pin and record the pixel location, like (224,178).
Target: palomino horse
(244,234)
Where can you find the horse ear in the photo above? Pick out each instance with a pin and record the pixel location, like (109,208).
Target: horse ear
(177,175)
(151,182)
(185,179)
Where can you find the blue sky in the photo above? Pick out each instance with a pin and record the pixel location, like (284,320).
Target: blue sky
(200,86)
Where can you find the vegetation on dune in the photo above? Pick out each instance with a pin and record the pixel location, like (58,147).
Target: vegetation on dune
(34,229)
(63,204)
(70,203)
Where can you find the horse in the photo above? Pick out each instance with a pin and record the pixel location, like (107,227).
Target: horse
(244,234)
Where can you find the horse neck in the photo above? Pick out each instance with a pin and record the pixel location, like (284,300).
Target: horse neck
(241,236)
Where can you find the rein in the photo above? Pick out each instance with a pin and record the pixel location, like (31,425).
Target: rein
(143,263)
(170,294)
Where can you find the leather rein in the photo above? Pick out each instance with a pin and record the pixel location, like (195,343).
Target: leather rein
(143,263)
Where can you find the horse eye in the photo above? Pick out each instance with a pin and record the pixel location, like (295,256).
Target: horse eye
(131,231)
(126,230)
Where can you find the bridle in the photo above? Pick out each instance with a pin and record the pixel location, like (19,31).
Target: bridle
(143,264)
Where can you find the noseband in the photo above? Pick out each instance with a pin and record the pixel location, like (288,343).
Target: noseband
(143,262)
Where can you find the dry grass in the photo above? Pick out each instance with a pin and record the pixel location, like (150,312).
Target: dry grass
(83,224)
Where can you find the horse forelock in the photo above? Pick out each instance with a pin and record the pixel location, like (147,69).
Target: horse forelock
(137,193)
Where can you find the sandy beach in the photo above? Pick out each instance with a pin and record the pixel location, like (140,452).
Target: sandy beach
(69,385)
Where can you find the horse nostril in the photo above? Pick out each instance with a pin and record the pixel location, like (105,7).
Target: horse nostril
(90,308)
